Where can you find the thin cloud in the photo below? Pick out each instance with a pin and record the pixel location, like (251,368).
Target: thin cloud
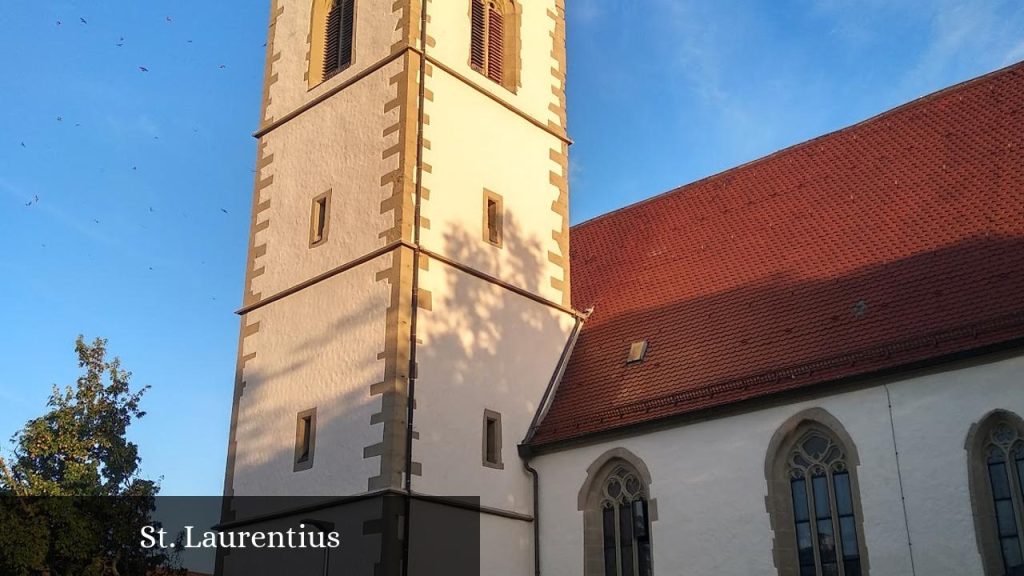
(963,34)
(1016,54)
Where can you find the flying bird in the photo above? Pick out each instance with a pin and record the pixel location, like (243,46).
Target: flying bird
(222,66)
(143,69)
(223,210)
(83,20)
(58,22)
(169,19)
(22,144)
(34,200)
(60,118)
(96,221)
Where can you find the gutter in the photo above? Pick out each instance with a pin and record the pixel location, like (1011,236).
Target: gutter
(525,450)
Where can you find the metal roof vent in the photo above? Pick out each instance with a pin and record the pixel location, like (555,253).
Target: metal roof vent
(637,352)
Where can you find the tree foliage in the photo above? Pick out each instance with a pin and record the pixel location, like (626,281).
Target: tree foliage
(71,489)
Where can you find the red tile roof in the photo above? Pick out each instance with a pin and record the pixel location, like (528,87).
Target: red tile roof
(894,241)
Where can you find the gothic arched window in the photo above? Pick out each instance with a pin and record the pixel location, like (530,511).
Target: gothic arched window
(813,499)
(494,40)
(996,453)
(332,38)
(826,530)
(617,518)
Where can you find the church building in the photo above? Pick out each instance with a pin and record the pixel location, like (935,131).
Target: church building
(808,365)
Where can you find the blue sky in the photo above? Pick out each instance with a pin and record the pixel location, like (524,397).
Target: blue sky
(144,178)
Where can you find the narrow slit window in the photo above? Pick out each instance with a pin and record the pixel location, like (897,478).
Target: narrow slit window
(493,218)
(305,440)
(492,440)
(492,222)
(320,219)
(305,433)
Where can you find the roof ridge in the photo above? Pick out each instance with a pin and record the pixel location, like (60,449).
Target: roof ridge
(799,145)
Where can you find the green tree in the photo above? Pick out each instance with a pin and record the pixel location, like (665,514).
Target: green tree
(71,497)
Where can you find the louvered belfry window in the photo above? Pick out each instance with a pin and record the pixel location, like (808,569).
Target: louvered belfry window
(488,43)
(339,37)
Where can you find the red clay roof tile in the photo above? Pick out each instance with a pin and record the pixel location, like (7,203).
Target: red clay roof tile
(892,241)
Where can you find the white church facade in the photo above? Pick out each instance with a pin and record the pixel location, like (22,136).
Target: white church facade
(807,365)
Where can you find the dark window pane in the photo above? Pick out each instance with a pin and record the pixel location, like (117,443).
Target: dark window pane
(1004,518)
(799,500)
(830,570)
(815,446)
(1000,483)
(821,504)
(609,561)
(608,518)
(644,558)
(808,570)
(1020,470)
(852,566)
(1011,553)
(626,538)
(640,524)
(848,533)
(805,547)
(826,542)
(844,500)
(610,547)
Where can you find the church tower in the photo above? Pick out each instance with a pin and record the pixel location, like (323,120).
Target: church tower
(406,299)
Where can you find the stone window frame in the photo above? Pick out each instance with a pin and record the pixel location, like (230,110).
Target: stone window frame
(497,464)
(779,500)
(304,463)
(317,41)
(980,488)
(511,12)
(492,196)
(589,499)
(315,210)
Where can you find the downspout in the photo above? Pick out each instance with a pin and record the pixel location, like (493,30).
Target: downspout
(413,316)
(899,476)
(536,515)
(526,452)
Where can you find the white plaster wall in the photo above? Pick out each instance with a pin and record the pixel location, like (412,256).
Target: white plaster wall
(483,348)
(475,144)
(375,32)
(336,145)
(933,414)
(315,348)
(450,28)
(709,484)
(506,546)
